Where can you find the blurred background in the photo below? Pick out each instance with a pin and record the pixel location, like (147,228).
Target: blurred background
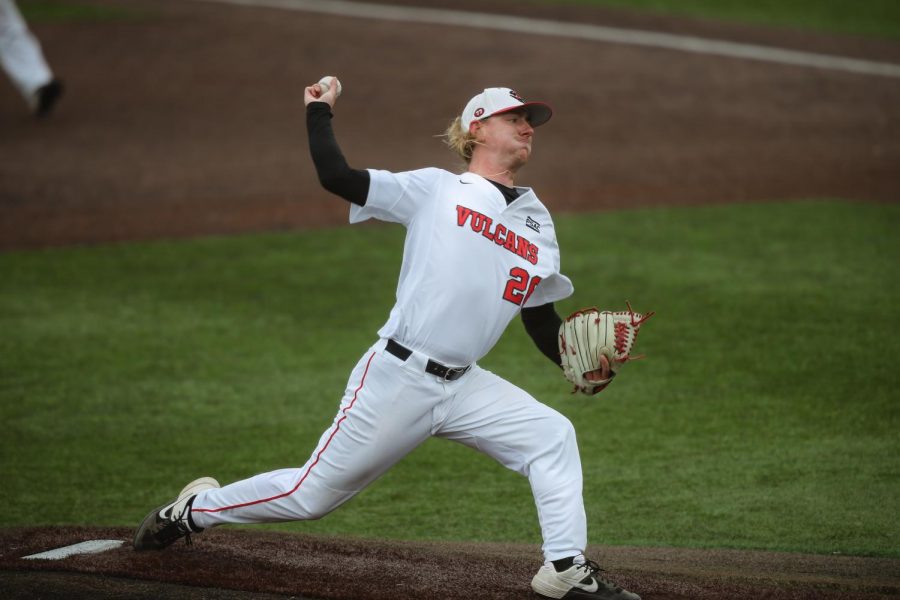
(185,117)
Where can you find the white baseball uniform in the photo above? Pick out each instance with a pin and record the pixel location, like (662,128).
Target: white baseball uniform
(20,52)
(470,263)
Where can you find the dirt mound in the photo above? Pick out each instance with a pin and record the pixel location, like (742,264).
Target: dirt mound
(226,560)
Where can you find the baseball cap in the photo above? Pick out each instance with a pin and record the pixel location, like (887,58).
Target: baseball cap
(494,101)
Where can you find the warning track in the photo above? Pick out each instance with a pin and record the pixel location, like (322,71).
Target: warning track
(178,139)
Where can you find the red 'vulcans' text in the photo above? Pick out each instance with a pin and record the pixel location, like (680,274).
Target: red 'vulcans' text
(497,233)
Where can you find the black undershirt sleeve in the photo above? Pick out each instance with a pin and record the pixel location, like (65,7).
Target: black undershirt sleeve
(542,325)
(334,173)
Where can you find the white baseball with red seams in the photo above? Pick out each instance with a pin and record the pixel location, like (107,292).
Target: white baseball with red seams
(325,84)
(470,263)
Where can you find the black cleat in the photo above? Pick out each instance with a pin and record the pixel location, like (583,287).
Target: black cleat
(168,523)
(578,581)
(46,98)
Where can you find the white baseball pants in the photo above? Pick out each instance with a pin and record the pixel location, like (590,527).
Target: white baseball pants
(389,408)
(20,52)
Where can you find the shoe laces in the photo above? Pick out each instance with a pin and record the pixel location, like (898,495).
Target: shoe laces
(183,526)
(592,569)
(179,524)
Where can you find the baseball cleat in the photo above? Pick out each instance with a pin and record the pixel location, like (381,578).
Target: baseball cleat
(171,522)
(579,581)
(46,97)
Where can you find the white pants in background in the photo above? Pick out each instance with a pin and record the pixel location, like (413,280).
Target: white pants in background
(20,53)
(391,406)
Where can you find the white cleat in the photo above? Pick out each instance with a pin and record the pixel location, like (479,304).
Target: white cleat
(579,581)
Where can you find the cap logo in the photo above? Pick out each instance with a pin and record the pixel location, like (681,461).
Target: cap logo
(479,112)
(516,95)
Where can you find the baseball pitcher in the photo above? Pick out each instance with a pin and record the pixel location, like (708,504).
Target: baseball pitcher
(479,251)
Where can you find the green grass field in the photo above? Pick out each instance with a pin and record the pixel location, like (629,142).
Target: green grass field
(873,18)
(766,415)
(49,11)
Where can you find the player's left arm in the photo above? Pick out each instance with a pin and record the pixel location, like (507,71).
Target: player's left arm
(542,325)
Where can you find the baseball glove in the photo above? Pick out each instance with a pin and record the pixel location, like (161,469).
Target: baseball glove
(593,346)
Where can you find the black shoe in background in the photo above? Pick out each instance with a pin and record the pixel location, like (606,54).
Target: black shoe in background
(47,97)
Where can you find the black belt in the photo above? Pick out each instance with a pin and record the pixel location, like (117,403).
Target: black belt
(433,368)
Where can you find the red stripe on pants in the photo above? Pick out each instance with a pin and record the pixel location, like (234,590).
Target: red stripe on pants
(314,463)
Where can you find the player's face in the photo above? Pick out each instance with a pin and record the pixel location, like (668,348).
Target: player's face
(508,134)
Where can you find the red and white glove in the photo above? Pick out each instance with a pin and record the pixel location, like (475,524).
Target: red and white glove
(593,346)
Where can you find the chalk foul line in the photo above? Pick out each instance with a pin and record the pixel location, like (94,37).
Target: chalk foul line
(597,33)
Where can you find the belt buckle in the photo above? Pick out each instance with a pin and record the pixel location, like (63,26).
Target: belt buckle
(454,374)
(443,372)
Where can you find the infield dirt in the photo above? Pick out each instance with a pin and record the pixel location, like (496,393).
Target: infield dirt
(190,121)
(223,561)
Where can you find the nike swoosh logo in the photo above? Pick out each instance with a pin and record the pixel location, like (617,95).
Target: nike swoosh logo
(466,182)
(590,589)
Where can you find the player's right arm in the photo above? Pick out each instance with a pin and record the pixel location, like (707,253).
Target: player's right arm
(334,173)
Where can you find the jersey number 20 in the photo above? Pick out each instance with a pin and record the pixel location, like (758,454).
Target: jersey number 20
(520,286)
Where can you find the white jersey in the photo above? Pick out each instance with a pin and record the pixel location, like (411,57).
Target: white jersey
(470,261)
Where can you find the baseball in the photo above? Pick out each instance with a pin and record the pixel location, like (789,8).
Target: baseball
(325,85)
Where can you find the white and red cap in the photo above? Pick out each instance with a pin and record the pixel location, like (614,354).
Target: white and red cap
(494,101)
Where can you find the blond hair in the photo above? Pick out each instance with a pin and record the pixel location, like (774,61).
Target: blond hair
(460,141)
